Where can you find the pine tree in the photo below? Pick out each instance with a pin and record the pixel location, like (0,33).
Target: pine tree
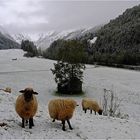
(68,70)
(29,47)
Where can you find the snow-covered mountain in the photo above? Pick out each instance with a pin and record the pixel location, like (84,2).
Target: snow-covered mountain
(6,40)
(45,40)
(21,36)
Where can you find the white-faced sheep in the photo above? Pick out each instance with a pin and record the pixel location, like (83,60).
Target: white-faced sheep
(91,105)
(62,109)
(26,106)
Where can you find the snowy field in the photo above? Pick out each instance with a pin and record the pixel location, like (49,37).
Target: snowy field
(35,72)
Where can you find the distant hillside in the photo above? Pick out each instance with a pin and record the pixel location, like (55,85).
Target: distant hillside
(45,40)
(5,33)
(6,41)
(119,40)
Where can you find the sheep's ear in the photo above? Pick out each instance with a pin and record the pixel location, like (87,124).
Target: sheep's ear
(22,91)
(35,93)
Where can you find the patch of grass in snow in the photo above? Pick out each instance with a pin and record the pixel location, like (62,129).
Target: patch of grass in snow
(56,93)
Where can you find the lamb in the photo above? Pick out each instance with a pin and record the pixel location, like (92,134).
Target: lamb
(26,106)
(62,109)
(91,105)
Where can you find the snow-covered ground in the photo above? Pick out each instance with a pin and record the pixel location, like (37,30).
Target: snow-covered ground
(35,72)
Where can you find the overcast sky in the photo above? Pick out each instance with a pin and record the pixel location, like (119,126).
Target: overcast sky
(39,16)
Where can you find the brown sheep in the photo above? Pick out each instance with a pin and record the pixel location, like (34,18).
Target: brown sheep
(62,109)
(26,106)
(91,105)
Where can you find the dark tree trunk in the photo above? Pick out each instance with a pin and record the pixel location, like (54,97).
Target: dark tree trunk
(73,86)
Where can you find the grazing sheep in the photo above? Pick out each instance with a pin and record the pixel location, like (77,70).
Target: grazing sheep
(26,106)
(62,109)
(91,105)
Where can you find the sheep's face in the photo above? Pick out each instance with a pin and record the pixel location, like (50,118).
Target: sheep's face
(100,111)
(28,94)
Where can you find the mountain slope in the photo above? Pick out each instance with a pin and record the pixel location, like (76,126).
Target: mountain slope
(44,41)
(6,41)
(5,33)
(121,36)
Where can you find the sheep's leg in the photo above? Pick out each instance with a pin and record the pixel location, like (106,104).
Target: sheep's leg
(95,112)
(69,124)
(30,123)
(63,127)
(91,111)
(26,121)
(23,126)
(85,110)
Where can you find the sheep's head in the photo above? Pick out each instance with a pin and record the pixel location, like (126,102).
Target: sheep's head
(100,111)
(28,94)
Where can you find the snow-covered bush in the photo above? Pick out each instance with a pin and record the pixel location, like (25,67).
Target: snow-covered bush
(69,70)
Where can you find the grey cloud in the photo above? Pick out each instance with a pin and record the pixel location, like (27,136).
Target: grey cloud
(73,14)
(2,3)
(63,15)
(29,28)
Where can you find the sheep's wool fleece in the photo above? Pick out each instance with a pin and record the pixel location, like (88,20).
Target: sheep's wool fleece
(25,109)
(90,104)
(61,109)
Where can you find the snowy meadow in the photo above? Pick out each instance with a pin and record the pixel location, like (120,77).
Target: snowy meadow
(18,72)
